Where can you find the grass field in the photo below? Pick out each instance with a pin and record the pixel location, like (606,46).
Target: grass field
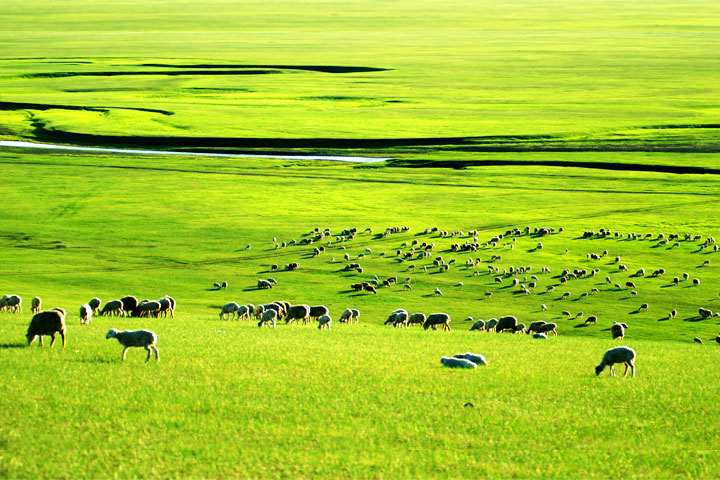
(497,115)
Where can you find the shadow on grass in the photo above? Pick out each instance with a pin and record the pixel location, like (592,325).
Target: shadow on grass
(12,345)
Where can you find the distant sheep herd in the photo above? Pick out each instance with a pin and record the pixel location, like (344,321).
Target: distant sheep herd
(53,322)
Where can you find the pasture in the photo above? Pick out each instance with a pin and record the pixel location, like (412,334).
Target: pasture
(590,116)
(365,400)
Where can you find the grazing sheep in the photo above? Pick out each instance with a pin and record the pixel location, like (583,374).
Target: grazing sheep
(630,284)
(705,313)
(262,284)
(46,323)
(318,311)
(369,288)
(95,305)
(697,340)
(479,325)
(416,319)
(566,295)
(401,318)
(12,302)
(113,307)
(268,316)
(566,313)
(438,292)
(224,285)
(696,281)
(229,309)
(491,324)
(149,309)
(136,338)
(548,327)
(539,335)
(130,305)
(216,285)
(437,319)
(534,327)
(644,306)
(392,318)
(475,358)
(167,304)
(453,362)
(673,313)
(86,312)
(633,292)
(618,330)
(520,328)
(324,322)
(617,355)
(298,312)
(508,322)
(543,307)
(591,319)
(36,305)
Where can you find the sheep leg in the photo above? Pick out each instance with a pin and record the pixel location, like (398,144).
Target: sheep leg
(62,334)
(40,340)
(124,352)
(612,370)
(274,323)
(632,367)
(626,369)
(157,353)
(149,350)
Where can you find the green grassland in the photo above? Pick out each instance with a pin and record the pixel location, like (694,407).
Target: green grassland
(230,400)
(496,115)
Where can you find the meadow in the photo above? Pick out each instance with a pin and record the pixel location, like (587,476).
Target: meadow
(496,115)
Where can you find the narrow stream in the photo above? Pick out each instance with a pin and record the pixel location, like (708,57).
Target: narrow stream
(47,146)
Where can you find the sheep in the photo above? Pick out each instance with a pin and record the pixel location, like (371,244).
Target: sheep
(46,323)
(438,292)
(268,316)
(369,288)
(130,305)
(697,340)
(416,319)
(618,330)
(479,325)
(543,307)
(548,327)
(392,318)
(705,313)
(435,319)
(540,335)
(617,355)
(224,285)
(696,281)
(324,322)
(229,309)
(453,362)
(491,324)
(318,311)
(591,319)
(401,318)
(566,295)
(12,302)
(216,285)
(298,312)
(149,309)
(520,328)
(534,326)
(644,306)
(673,313)
(508,322)
(566,313)
(167,304)
(95,305)
(261,284)
(136,338)
(86,312)
(36,305)
(113,307)
(475,358)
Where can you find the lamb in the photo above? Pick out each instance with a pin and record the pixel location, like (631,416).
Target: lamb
(324,322)
(136,338)
(617,355)
(298,312)
(36,305)
(435,319)
(618,330)
(453,362)
(46,323)
(479,325)
(508,322)
(229,309)
(86,312)
(475,358)
(113,307)
(268,316)
(548,327)
(95,305)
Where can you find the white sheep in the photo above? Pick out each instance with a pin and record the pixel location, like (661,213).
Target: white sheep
(617,355)
(268,316)
(230,310)
(453,362)
(438,292)
(476,358)
(36,305)
(136,338)
(86,312)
